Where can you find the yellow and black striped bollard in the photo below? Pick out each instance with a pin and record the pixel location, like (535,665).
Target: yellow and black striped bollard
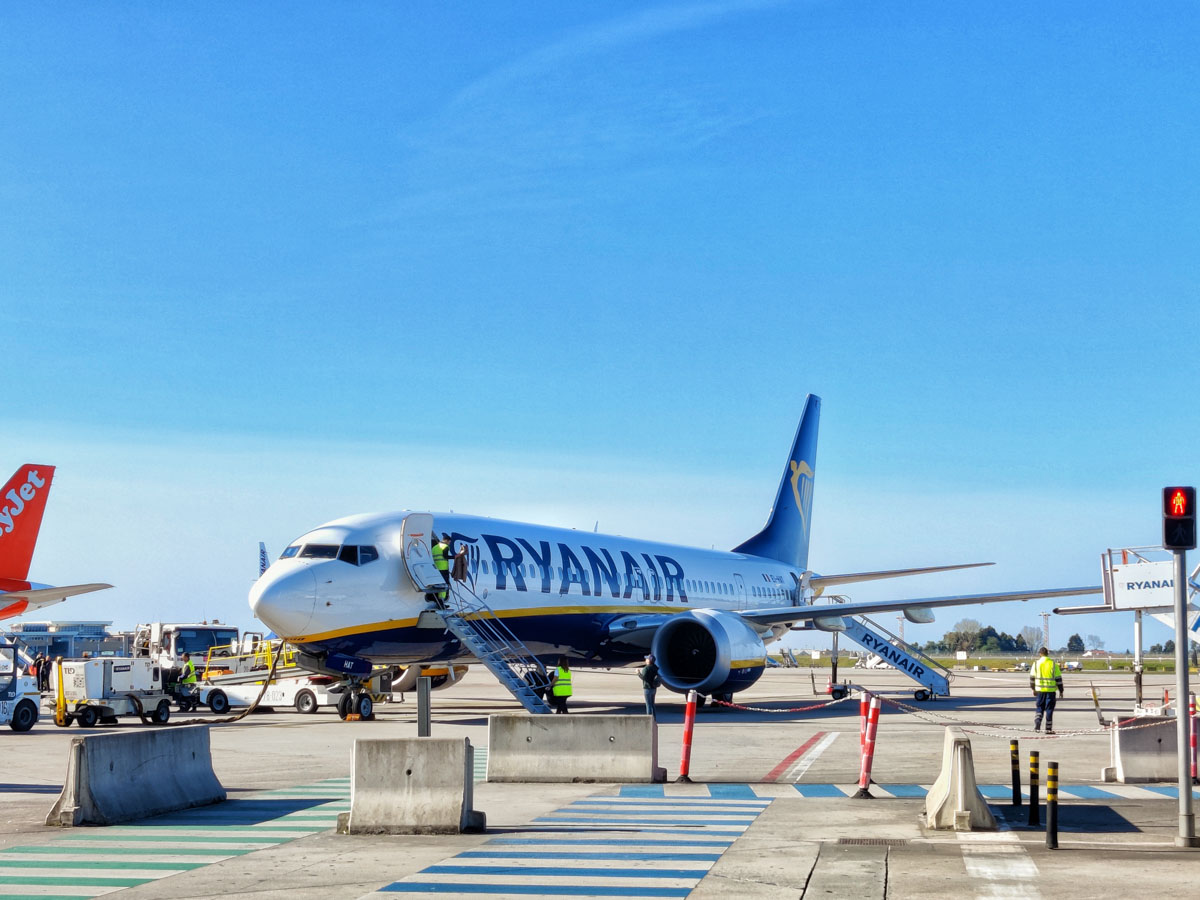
(1034,818)
(1014,756)
(1051,806)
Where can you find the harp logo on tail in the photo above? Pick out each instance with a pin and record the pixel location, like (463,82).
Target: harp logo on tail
(802,490)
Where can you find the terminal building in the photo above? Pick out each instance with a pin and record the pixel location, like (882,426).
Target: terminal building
(70,640)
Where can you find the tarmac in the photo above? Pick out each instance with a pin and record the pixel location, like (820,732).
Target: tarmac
(770,811)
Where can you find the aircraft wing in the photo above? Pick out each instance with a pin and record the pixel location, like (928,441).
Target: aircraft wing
(837,610)
(820,582)
(13,603)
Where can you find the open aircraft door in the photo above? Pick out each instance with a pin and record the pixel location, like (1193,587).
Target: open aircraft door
(418,557)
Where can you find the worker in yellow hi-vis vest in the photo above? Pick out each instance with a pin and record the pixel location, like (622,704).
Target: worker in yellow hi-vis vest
(441,560)
(560,685)
(1045,677)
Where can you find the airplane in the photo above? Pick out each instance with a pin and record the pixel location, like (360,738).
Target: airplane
(359,590)
(22,502)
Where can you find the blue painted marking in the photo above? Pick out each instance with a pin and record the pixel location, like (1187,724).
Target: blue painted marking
(559,872)
(1086,792)
(623,812)
(681,801)
(904,790)
(559,890)
(819,790)
(729,791)
(633,820)
(642,790)
(996,791)
(635,839)
(1171,792)
(523,854)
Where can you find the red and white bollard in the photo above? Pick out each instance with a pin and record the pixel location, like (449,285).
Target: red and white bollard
(864,705)
(689,723)
(868,753)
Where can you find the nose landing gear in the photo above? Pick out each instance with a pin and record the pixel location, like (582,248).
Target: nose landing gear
(356,700)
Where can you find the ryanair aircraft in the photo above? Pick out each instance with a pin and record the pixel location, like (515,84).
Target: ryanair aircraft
(362,590)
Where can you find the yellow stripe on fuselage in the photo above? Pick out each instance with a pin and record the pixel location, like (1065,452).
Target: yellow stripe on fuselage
(500,614)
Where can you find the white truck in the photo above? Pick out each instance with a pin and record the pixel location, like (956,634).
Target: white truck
(18,693)
(98,690)
(166,642)
(307,693)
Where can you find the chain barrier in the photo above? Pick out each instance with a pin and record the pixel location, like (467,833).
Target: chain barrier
(968,725)
(793,709)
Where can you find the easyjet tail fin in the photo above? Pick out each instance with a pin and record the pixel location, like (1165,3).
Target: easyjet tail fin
(785,536)
(22,502)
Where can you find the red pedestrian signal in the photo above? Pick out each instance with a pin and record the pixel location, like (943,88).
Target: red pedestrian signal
(1179,518)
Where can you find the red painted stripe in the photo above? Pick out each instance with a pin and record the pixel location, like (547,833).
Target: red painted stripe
(793,756)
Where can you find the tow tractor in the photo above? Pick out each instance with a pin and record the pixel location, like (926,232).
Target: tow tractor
(96,691)
(18,693)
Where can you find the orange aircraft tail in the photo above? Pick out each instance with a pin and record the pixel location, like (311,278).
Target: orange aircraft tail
(22,502)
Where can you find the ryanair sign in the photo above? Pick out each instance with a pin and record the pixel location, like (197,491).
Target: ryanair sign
(1143,585)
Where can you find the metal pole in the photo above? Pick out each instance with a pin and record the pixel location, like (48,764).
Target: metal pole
(1014,755)
(1034,812)
(424,716)
(1187,821)
(1137,656)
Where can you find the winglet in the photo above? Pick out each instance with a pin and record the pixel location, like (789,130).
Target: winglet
(785,536)
(22,502)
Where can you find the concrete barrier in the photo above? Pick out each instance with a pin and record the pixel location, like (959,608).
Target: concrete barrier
(412,786)
(954,800)
(133,774)
(573,748)
(1143,754)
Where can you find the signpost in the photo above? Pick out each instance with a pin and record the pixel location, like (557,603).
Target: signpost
(1179,536)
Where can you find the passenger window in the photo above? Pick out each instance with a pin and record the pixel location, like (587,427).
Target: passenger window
(366,555)
(290,552)
(484,564)
(319,551)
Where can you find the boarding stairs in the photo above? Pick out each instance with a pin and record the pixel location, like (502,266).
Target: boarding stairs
(896,652)
(481,631)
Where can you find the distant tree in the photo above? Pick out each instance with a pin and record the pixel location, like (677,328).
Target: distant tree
(1169,647)
(1094,642)
(1075,644)
(965,635)
(1032,637)
(1156,648)
(1008,643)
(1020,645)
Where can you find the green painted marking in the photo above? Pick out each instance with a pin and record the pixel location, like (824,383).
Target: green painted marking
(61,881)
(129,851)
(98,864)
(181,838)
(41,896)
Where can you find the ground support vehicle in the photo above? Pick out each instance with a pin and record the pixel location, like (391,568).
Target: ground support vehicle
(97,691)
(306,693)
(18,693)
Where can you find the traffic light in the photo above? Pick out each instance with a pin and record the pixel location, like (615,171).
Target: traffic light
(1179,518)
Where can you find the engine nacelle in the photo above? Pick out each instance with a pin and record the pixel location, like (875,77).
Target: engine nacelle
(710,651)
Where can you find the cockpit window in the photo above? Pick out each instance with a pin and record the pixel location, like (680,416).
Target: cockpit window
(290,552)
(357,556)
(319,551)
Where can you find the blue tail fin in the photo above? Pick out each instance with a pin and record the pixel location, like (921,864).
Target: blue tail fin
(785,536)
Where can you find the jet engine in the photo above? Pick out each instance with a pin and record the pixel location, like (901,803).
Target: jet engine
(710,651)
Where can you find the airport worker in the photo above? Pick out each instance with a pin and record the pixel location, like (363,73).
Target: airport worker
(1045,677)
(188,676)
(560,685)
(650,681)
(441,554)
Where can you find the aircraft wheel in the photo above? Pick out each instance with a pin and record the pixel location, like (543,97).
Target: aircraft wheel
(88,717)
(24,716)
(365,707)
(162,712)
(343,706)
(218,702)
(306,702)
(921,695)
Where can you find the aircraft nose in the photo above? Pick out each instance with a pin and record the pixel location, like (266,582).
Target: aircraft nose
(284,600)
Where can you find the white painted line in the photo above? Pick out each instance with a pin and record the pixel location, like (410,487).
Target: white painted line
(796,772)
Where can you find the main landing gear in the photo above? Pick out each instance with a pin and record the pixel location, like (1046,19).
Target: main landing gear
(356,700)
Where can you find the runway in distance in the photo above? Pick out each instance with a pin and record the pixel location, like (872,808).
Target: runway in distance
(22,503)
(355,590)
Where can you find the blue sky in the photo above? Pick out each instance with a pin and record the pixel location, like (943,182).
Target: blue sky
(270,265)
